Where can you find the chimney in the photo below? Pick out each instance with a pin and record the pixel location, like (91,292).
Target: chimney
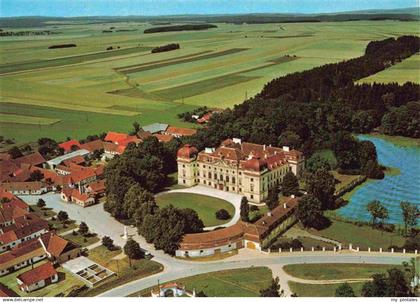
(264,146)
(285,205)
(269,214)
(286,148)
(292,196)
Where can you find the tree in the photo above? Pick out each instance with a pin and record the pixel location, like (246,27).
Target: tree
(244,209)
(136,127)
(321,184)
(273,290)
(290,139)
(316,162)
(397,284)
(409,213)
(62,216)
(309,211)
(36,175)
(290,184)
(344,290)
(40,203)
(272,198)
(375,288)
(15,152)
(107,242)
(377,210)
(132,250)
(200,294)
(134,198)
(83,229)
(222,214)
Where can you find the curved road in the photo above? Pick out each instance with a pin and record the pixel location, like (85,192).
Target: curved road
(101,222)
(249,259)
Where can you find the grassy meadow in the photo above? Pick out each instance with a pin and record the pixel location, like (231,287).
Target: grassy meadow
(87,89)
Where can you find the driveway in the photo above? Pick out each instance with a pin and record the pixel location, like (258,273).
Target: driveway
(232,198)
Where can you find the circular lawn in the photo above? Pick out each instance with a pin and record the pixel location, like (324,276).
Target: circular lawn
(205,206)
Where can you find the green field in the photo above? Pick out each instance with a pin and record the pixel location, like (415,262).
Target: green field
(335,271)
(324,290)
(205,206)
(407,70)
(246,282)
(86,90)
(359,236)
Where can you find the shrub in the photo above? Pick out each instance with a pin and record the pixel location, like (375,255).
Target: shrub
(222,214)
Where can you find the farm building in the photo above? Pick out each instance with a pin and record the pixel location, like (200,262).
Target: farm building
(240,235)
(38,277)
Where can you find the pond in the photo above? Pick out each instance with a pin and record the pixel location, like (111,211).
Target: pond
(393,188)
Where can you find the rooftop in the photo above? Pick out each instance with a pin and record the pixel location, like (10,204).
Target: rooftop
(56,161)
(155,127)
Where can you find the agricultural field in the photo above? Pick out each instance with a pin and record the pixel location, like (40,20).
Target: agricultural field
(83,90)
(407,70)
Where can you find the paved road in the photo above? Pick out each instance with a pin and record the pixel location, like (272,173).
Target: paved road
(100,222)
(258,259)
(232,198)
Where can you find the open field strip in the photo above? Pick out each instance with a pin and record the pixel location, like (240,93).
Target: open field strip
(407,70)
(26,119)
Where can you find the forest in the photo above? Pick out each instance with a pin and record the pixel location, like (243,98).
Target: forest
(307,109)
(179,28)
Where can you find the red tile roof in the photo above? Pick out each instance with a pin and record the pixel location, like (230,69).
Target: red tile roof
(97,187)
(33,159)
(187,152)
(93,145)
(42,272)
(115,137)
(164,138)
(67,145)
(175,131)
(80,175)
(27,185)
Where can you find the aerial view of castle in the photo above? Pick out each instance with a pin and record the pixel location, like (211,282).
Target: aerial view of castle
(203,149)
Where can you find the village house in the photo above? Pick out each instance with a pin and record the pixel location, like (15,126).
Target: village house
(26,188)
(254,236)
(75,196)
(155,128)
(39,277)
(240,167)
(53,163)
(71,145)
(179,132)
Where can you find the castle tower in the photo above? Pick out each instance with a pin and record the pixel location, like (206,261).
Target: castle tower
(187,166)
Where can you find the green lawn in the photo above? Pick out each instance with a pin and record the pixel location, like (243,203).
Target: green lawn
(307,243)
(359,236)
(335,271)
(245,282)
(26,119)
(66,283)
(59,227)
(324,290)
(44,213)
(81,240)
(205,206)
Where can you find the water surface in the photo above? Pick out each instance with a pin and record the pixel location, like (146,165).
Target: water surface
(392,189)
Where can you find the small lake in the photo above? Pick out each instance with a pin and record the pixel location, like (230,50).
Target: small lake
(391,190)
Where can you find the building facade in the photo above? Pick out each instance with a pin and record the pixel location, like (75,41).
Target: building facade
(239,167)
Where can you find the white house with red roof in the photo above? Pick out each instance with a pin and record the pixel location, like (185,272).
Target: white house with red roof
(39,277)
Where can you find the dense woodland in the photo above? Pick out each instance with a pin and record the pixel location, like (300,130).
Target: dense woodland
(307,109)
(167,47)
(179,28)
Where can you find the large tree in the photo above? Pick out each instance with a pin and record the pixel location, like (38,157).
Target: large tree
(309,211)
(377,210)
(410,212)
(272,198)
(244,209)
(344,290)
(132,250)
(83,228)
(321,184)
(273,290)
(167,226)
(15,152)
(290,184)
